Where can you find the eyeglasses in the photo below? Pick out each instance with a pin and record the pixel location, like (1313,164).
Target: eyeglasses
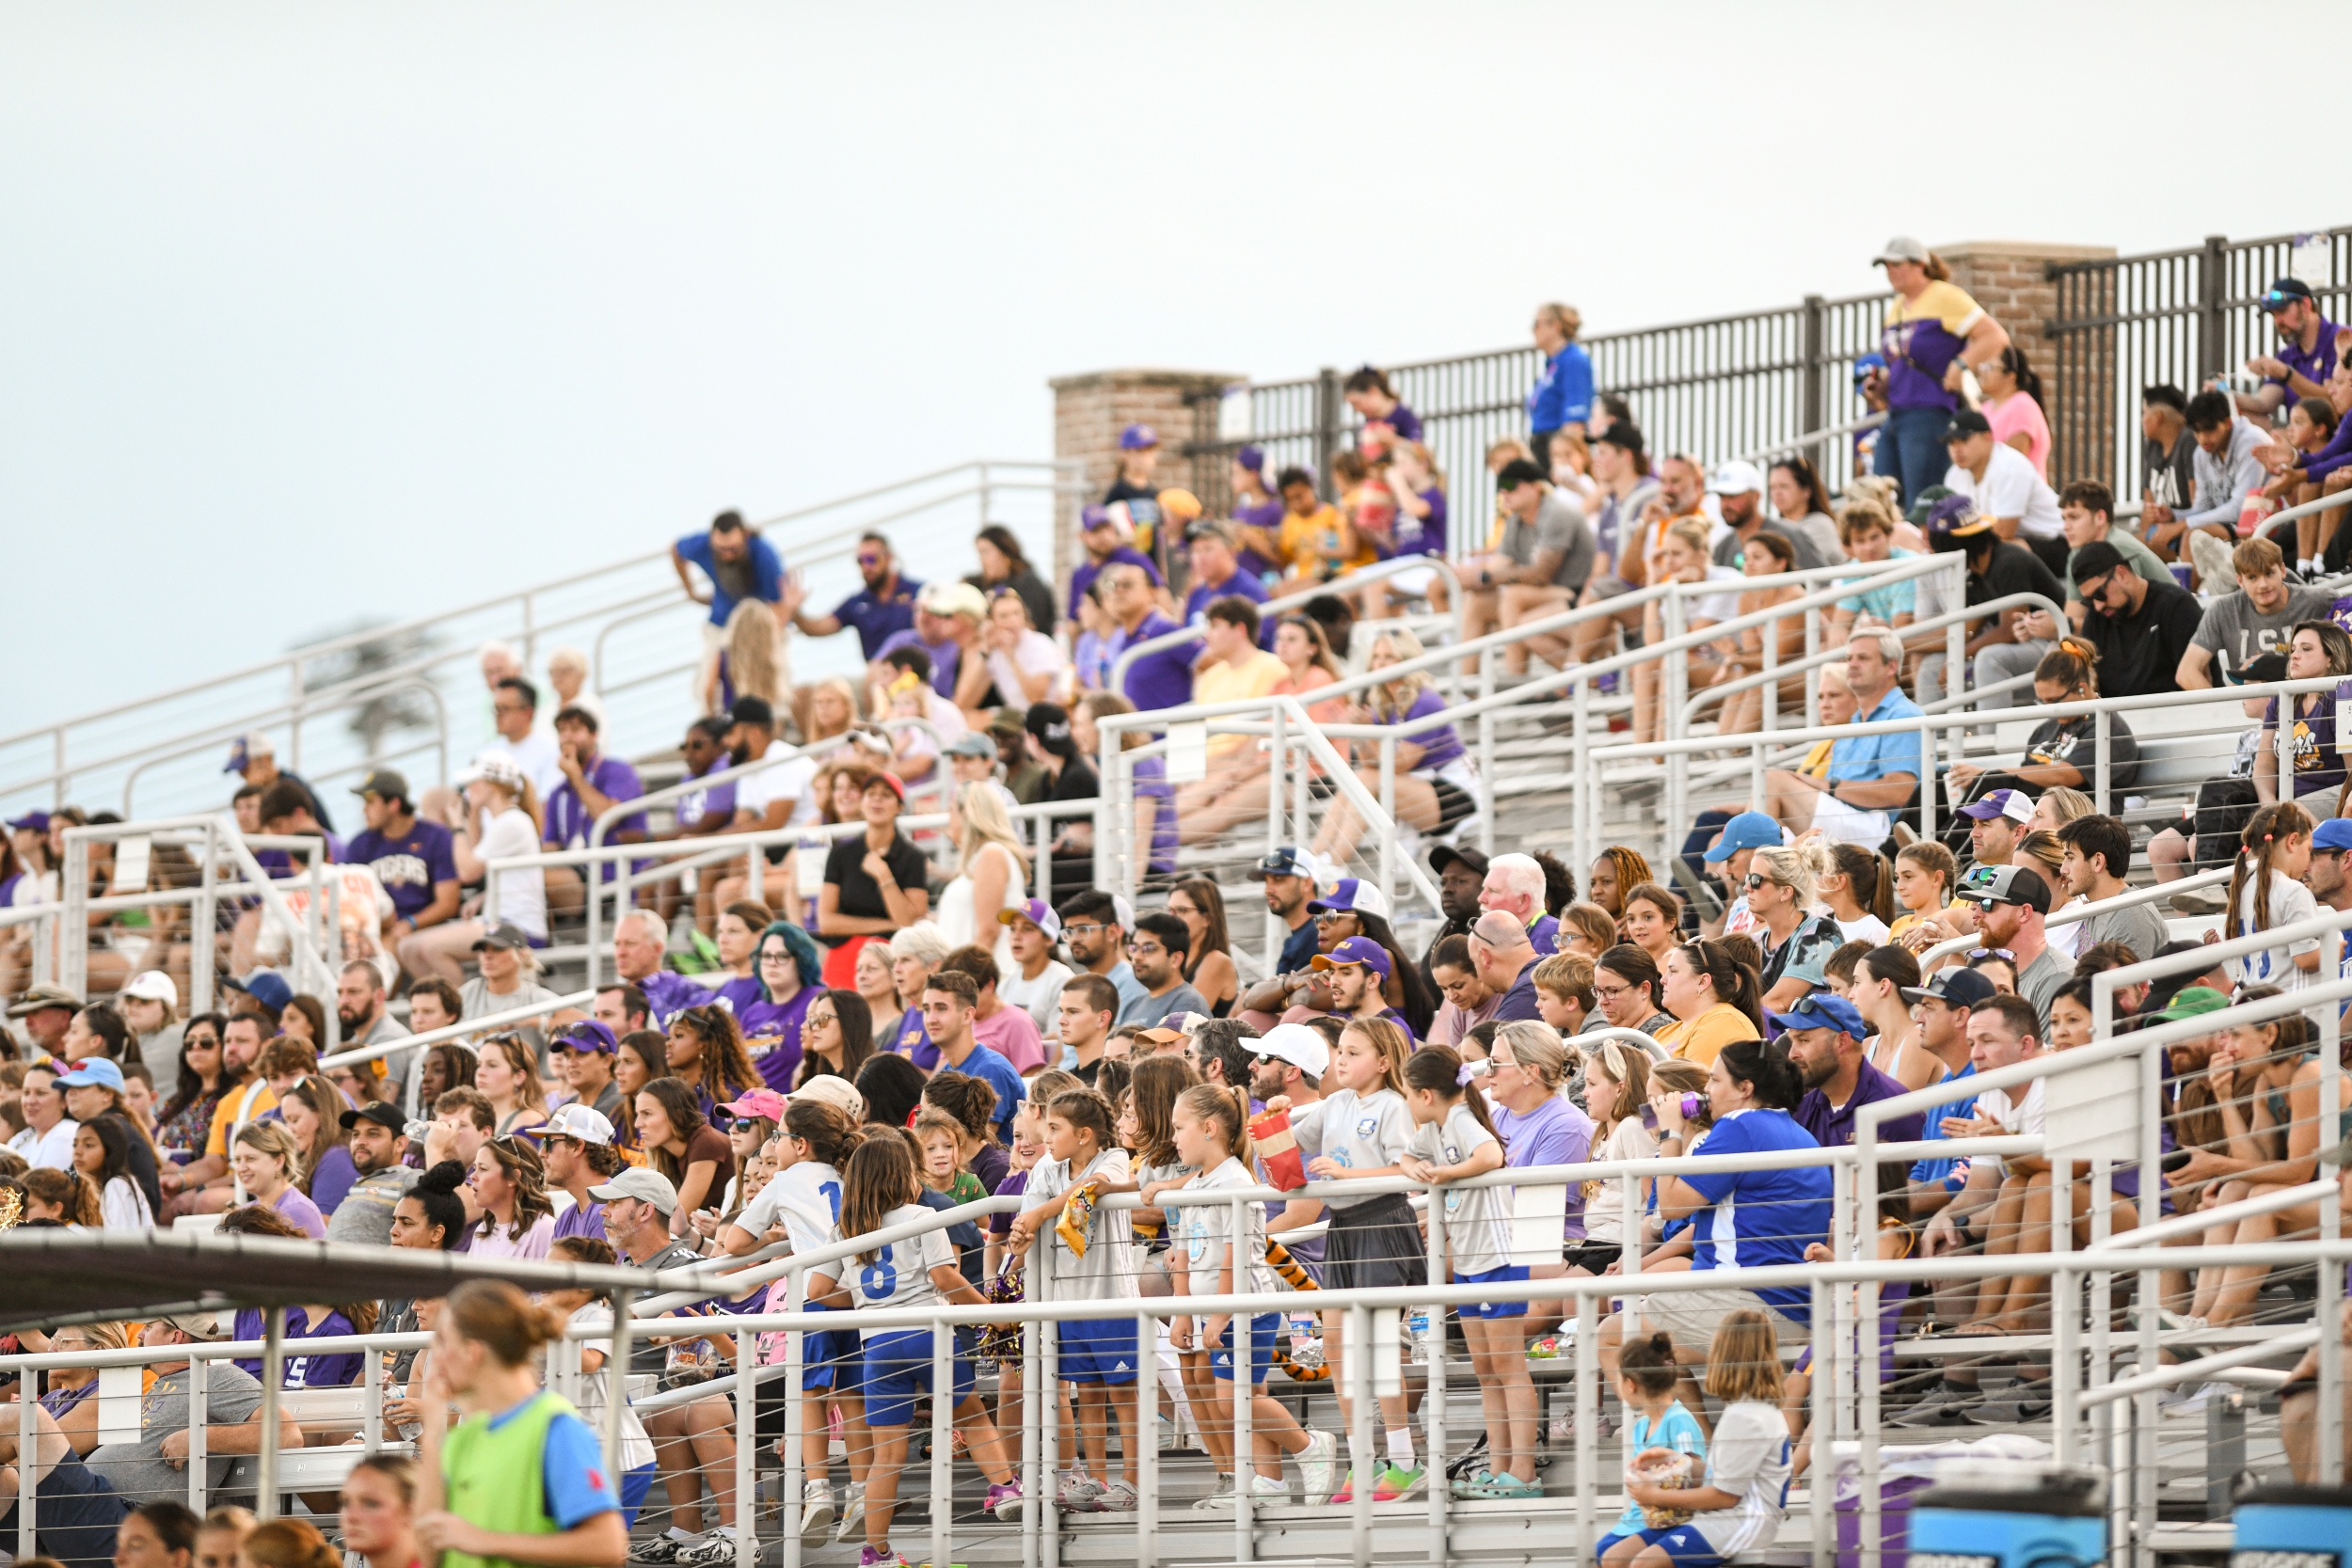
(866,560)
(812,1018)
(510,707)
(1609,993)
(777,956)
(1146,949)
(1084,929)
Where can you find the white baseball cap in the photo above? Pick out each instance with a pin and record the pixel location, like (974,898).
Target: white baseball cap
(154,984)
(1738,477)
(575,1120)
(1298,1045)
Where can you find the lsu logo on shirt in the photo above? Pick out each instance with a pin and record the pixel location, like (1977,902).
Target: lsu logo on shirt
(401,871)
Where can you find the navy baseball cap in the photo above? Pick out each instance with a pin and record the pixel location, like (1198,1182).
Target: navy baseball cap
(1289,861)
(1825,1010)
(2286,291)
(2335,833)
(266,986)
(1954,987)
(1750,830)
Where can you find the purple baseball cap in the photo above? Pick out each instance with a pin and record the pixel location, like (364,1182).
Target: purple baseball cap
(1251,458)
(1355,950)
(32,821)
(2015,804)
(1038,912)
(1137,437)
(587,1035)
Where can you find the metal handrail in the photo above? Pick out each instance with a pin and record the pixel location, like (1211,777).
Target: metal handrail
(1378,571)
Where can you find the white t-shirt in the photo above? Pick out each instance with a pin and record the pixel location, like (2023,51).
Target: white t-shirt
(1039,998)
(2010,489)
(123,1207)
(789,780)
(1108,1271)
(636,1447)
(1207,1227)
(1364,1134)
(2290,902)
(805,1198)
(900,1273)
(524,891)
(1604,1202)
(1717,607)
(361,905)
(52,1149)
(1036,653)
(537,756)
(1748,1458)
(1477,1219)
(1869,929)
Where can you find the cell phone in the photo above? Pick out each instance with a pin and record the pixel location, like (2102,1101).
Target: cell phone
(2178,1159)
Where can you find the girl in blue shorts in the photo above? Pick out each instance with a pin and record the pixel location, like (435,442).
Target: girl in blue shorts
(1739,1507)
(1453,1140)
(879,1190)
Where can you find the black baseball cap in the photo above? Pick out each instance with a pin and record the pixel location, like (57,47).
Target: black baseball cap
(1520,471)
(1967,422)
(1446,854)
(383,1113)
(1622,433)
(2286,291)
(1954,987)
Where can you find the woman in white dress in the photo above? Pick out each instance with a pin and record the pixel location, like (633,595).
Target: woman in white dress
(994,875)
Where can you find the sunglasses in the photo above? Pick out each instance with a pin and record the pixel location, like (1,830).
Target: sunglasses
(2001,953)
(1756,880)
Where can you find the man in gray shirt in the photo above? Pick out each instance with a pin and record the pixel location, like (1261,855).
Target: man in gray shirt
(377,1143)
(2098,857)
(1739,489)
(155,1467)
(1545,557)
(1158,951)
(2260,618)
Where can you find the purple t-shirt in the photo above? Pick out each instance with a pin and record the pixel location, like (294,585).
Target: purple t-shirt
(296,1208)
(582,1219)
(2318,365)
(945,657)
(407,866)
(876,616)
(1422,535)
(717,801)
(1088,570)
(300,1370)
(1014,1185)
(1543,935)
(1553,1133)
(1833,1126)
(1267,514)
(1439,745)
(568,820)
(1162,679)
(771,1032)
(1240,584)
(1152,779)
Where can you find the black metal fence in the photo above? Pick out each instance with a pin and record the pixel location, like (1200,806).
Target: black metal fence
(2181,318)
(1715,388)
(1741,384)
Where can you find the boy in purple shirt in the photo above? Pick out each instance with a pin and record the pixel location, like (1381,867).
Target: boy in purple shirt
(1106,545)
(410,856)
(593,784)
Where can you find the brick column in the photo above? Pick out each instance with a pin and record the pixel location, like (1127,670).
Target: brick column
(2010,279)
(1090,410)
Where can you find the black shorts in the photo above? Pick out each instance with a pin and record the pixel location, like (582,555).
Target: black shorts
(1454,804)
(1593,1257)
(1375,1244)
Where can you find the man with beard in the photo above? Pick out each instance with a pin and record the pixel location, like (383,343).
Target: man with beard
(1357,969)
(1289,875)
(1825,1036)
(378,1143)
(1291,1061)
(880,609)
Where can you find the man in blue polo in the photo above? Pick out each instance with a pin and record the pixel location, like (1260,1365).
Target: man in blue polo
(949,999)
(1870,777)
(884,607)
(1825,1036)
(739,563)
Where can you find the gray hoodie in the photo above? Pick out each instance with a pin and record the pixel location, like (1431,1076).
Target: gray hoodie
(2224,482)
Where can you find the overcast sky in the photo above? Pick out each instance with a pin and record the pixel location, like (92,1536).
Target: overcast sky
(311,311)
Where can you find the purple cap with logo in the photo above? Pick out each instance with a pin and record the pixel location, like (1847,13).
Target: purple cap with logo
(2015,804)
(1355,950)
(1038,912)
(1137,437)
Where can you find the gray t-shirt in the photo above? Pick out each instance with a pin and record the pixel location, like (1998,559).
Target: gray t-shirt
(138,1471)
(2140,927)
(1149,1011)
(475,1000)
(160,1051)
(1729,548)
(2241,633)
(1559,525)
(2040,981)
(365,1215)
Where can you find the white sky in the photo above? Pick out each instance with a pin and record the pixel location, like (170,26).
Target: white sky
(315,311)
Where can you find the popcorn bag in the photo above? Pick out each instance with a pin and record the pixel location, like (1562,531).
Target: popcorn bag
(1270,1134)
(1671,1471)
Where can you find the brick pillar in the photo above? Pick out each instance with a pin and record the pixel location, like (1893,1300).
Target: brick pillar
(1090,410)
(2010,279)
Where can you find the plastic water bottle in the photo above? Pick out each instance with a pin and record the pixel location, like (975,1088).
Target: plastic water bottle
(1306,1340)
(1417,1333)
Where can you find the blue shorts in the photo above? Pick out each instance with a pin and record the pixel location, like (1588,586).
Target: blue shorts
(898,1369)
(1097,1350)
(634,1486)
(1687,1547)
(1510,1274)
(1262,1329)
(830,1358)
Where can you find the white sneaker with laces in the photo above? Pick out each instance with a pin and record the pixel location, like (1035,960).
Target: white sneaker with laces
(1079,1492)
(852,1514)
(817,1511)
(1318,1468)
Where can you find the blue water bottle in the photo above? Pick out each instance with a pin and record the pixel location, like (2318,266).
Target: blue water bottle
(2292,1527)
(2011,1516)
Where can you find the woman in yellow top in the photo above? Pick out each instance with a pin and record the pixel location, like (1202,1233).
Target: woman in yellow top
(1715,1000)
(1924,875)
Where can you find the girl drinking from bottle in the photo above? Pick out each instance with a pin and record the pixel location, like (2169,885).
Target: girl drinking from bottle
(1453,1140)
(878,1191)
(1211,1134)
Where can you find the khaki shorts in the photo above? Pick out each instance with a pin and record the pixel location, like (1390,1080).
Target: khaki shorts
(1693,1316)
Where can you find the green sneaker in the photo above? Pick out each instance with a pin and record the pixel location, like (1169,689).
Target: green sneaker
(1395,1484)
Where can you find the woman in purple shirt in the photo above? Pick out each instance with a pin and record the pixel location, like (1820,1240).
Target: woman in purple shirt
(1524,1072)
(787,968)
(1437,788)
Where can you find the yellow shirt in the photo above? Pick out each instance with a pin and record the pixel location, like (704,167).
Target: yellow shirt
(1702,1039)
(1223,681)
(1312,544)
(236,1107)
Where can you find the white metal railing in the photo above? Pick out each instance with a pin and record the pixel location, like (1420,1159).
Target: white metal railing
(47,762)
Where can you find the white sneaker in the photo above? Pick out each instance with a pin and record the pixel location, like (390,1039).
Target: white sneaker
(1265,1490)
(2191,1405)
(852,1514)
(1318,1468)
(817,1511)
(1117,1498)
(1079,1492)
(716,1550)
(1218,1500)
